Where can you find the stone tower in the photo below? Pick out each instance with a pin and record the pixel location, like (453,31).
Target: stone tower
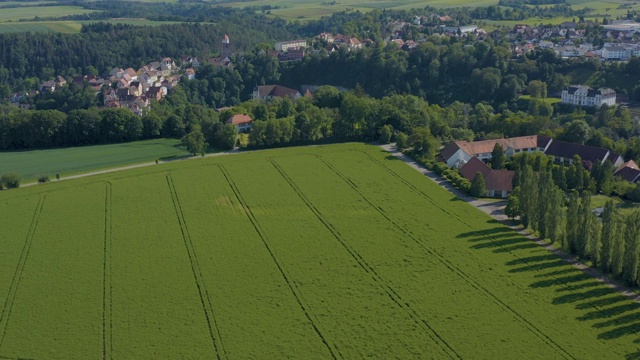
(226,47)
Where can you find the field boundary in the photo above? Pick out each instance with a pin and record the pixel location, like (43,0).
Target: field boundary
(473,283)
(207,307)
(297,294)
(383,284)
(17,276)
(107,287)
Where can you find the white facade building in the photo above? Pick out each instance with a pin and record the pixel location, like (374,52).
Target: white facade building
(283,46)
(580,95)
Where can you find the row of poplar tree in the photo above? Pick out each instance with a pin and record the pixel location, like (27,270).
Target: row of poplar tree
(611,242)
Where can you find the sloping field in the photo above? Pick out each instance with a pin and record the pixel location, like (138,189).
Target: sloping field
(335,252)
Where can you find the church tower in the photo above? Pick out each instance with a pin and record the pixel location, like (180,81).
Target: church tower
(226,47)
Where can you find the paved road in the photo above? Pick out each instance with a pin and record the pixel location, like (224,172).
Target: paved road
(496,210)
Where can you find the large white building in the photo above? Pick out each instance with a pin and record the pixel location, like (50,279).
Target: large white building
(580,95)
(284,46)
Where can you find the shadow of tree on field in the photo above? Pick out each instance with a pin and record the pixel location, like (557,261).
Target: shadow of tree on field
(612,311)
(561,281)
(620,332)
(491,237)
(491,243)
(599,303)
(586,295)
(485,232)
(528,259)
(538,266)
(633,356)
(585,285)
(557,272)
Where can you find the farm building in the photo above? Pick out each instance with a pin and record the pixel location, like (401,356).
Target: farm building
(268,92)
(499,183)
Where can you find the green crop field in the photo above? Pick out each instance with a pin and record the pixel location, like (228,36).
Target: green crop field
(339,252)
(14,14)
(67,161)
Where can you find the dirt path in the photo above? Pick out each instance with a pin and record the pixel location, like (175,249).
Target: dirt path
(496,210)
(141,165)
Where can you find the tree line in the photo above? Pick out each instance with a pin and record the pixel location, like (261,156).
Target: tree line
(610,242)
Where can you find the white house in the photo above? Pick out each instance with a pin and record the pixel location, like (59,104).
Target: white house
(614,53)
(580,95)
(283,46)
(241,121)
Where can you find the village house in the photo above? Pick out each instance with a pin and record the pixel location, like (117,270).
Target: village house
(628,171)
(283,46)
(498,183)
(242,122)
(268,92)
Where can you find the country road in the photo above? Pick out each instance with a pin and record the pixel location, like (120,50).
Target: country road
(496,210)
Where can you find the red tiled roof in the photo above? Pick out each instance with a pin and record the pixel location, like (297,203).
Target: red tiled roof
(499,180)
(450,149)
(239,119)
(471,168)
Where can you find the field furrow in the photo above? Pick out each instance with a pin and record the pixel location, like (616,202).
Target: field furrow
(107,308)
(453,268)
(292,286)
(205,300)
(368,269)
(157,312)
(416,273)
(17,274)
(254,306)
(495,249)
(58,306)
(355,310)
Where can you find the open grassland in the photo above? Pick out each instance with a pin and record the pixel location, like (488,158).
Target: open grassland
(324,252)
(14,14)
(70,27)
(67,161)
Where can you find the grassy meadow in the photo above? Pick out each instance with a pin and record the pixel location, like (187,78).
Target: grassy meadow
(15,14)
(31,164)
(336,251)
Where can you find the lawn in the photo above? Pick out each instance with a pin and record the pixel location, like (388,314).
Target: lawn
(67,161)
(336,251)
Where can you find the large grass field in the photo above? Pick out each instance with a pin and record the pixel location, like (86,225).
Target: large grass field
(67,161)
(14,14)
(327,252)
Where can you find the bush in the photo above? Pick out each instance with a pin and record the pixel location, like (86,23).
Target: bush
(11,180)
(43,179)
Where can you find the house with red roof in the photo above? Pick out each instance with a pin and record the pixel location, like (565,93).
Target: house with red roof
(499,183)
(241,121)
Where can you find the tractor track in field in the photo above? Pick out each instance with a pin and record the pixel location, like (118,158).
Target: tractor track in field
(12,358)
(383,284)
(297,294)
(561,255)
(414,188)
(107,289)
(15,282)
(468,279)
(205,300)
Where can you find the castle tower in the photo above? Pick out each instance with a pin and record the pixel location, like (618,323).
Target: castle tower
(226,47)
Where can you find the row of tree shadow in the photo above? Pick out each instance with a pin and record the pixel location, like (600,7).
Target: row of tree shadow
(612,313)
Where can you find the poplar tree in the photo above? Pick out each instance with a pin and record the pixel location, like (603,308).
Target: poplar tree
(609,233)
(529,198)
(617,248)
(545,188)
(555,214)
(573,222)
(497,157)
(631,241)
(585,217)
